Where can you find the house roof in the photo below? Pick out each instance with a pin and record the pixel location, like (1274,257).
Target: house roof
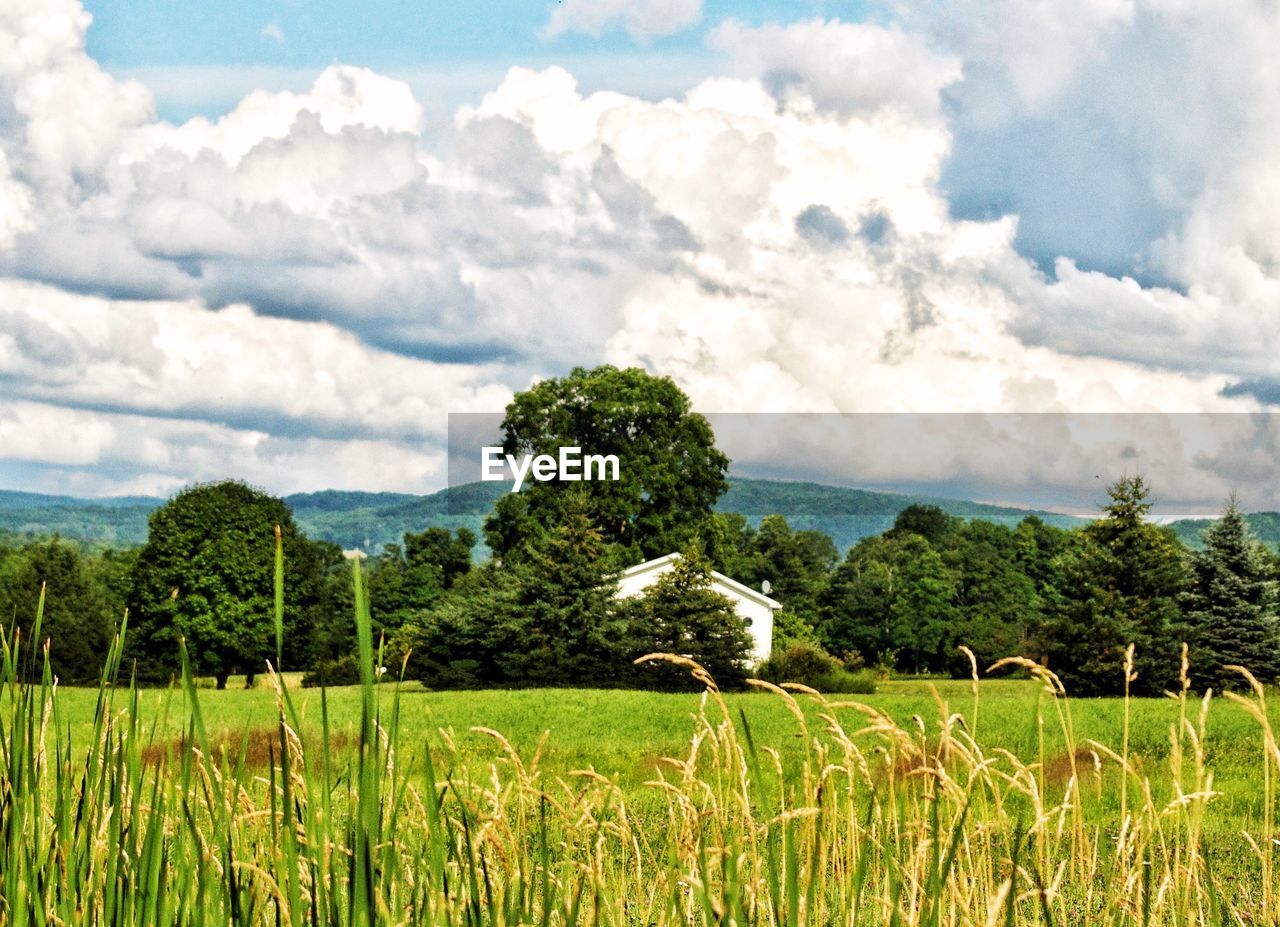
(746,592)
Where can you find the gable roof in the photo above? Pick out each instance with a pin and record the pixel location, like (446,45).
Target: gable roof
(746,592)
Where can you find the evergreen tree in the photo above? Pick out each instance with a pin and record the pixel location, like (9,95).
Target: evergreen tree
(1231,606)
(680,613)
(567,629)
(549,618)
(1121,585)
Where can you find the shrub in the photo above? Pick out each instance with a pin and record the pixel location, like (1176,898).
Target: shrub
(344,671)
(812,666)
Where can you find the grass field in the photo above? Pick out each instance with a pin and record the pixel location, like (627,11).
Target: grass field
(916,780)
(942,804)
(623,734)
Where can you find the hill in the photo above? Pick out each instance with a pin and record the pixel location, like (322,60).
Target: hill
(371,520)
(848,515)
(1265,525)
(118,522)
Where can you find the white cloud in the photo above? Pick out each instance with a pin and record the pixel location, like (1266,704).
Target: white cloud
(52,434)
(780,238)
(110,453)
(643,19)
(1131,137)
(181,360)
(847,67)
(273,33)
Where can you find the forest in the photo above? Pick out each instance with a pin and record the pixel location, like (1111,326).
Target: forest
(541,610)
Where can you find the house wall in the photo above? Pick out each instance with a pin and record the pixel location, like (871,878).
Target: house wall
(758,615)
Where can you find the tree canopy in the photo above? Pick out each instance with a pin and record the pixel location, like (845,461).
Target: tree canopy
(670,472)
(206,575)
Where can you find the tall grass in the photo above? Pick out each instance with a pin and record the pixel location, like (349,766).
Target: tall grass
(875,823)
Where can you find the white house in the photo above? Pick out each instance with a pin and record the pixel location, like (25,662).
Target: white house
(756,607)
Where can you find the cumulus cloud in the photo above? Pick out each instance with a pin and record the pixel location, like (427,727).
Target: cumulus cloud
(180,359)
(643,19)
(317,272)
(98,453)
(851,68)
(1132,138)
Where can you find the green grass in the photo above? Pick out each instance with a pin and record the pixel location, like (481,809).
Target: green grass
(929,804)
(623,734)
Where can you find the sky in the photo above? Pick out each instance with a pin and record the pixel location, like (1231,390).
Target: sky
(283,241)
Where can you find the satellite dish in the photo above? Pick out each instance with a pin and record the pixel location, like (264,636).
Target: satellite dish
(765,587)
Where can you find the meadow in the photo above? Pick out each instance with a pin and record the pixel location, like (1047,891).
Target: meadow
(935,803)
(625,734)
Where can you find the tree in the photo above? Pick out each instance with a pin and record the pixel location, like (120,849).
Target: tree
(728,541)
(892,595)
(568,629)
(796,564)
(680,613)
(1231,606)
(996,602)
(206,575)
(1121,585)
(927,521)
(400,586)
(78,622)
(670,472)
(922,617)
(450,553)
(855,605)
(547,618)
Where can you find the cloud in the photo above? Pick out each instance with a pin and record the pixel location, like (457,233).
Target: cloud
(851,68)
(326,270)
(95,453)
(644,20)
(179,360)
(273,33)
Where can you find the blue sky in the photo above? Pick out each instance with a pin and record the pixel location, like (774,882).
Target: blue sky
(390,212)
(284,42)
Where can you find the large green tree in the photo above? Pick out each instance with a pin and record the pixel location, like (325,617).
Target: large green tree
(1231,606)
(206,575)
(891,597)
(996,602)
(670,472)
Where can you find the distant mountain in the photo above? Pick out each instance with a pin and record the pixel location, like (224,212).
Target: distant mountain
(848,515)
(118,522)
(10,499)
(371,520)
(1265,525)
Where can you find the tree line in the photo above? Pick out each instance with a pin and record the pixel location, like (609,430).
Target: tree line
(542,609)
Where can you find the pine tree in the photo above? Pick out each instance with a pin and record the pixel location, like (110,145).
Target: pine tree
(1231,606)
(681,613)
(549,618)
(567,629)
(1122,585)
